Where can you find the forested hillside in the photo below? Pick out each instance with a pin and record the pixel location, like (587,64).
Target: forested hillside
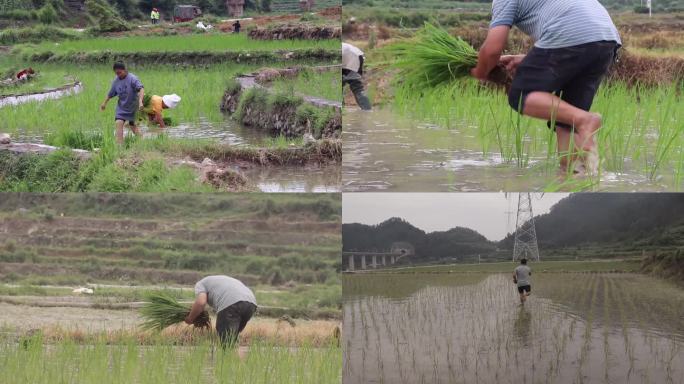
(584,225)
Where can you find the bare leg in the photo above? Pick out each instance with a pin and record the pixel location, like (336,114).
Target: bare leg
(522,298)
(543,104)
(119,132)
(135,129)
(563,137)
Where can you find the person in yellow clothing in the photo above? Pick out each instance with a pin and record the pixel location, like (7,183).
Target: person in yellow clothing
(154,15)
(157,105)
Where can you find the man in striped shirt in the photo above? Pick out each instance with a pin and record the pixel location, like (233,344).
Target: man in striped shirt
(575,44)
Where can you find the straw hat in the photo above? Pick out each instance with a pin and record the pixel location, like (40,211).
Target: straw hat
(171,101)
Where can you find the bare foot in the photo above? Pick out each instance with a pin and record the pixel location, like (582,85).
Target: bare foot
(591,161)
(586,130)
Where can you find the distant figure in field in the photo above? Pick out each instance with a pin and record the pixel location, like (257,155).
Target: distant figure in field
(154,16)
(233,302)
(521,277)
(25,74)
(236,26)
(130,91)
(352,72)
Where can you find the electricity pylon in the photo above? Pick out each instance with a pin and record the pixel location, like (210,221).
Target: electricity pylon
(525,245)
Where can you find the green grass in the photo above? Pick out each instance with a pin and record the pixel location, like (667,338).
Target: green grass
(200,90)
(326,85)
(33,362)
(212,42)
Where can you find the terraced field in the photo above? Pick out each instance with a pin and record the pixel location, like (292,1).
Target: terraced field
(286,247)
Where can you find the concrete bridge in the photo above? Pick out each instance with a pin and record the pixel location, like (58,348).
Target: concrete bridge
(362,260)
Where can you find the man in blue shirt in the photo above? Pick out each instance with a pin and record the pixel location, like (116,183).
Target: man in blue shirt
(575,44)
(130,91)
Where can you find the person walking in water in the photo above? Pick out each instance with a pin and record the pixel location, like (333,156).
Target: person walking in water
(130,91)
(521,277)
(575,44)
(233,302)
(352,72)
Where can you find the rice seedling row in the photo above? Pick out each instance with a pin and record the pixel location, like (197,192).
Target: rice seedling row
(575,327)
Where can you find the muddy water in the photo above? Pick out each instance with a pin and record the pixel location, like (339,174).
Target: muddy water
(266,179)
(316,179)
(574,329)
(225,132)
(47,95)
(386,152)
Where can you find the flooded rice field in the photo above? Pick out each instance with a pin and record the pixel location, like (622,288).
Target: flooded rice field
(225,132)
(384,151)
(314,178)
(471,328)
(49,94)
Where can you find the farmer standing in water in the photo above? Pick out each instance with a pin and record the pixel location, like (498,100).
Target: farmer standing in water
(130,91)
(233,302)
(352,72)
(575,44)
(521,277)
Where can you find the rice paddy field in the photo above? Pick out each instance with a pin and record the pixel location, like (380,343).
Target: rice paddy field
(469,327)
(212,42)
(324,85)
(462,136)
(466,138)
(124,247)
(74,120)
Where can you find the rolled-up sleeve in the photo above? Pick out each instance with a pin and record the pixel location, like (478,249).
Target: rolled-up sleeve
(200,288)
(137,85)
(112,91)
(504,12)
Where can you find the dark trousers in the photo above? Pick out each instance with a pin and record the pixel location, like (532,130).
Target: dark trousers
(232,320)
(355,82)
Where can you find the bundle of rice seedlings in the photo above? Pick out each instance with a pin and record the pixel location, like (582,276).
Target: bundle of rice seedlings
(163,310)
(169,121)
(435,57)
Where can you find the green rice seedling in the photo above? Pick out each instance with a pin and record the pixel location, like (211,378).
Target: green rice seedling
(184,43)
(163,310)
(434,57)
(325,85)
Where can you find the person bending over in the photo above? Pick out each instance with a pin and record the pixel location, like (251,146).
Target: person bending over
(575,44)
(233,302)
(352,72)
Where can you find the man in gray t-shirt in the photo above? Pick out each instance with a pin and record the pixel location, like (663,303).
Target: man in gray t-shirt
(521,277)
(130,91)
(233,302)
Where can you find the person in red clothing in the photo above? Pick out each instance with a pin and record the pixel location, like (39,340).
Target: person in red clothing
(25,73)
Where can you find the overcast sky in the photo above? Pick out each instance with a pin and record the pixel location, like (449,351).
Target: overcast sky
(486,213)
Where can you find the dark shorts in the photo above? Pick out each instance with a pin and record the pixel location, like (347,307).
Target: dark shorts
(232,320)
(525,288)
(130,122)
(573,73)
